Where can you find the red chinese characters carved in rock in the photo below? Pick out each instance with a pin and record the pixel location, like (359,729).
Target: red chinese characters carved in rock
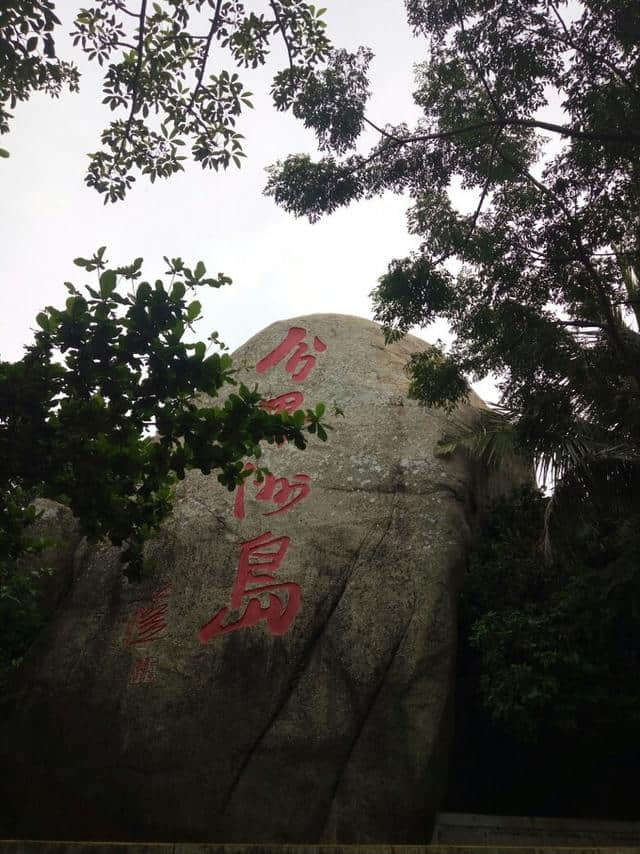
(255,592)
(149,624)
(300,362)
(263,598)
(277,490)
(287,402)
(143,671)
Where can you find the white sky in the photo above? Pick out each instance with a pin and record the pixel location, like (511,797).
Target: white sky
(281,267)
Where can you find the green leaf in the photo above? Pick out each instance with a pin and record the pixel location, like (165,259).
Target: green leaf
(143,291)
(42,320)
(107,283)
(193,310)
(199,271)
(178,291)
(4,152)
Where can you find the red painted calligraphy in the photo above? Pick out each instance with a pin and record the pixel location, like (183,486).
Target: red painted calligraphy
(256,595)
(143,671)
(287,402)
(300,363)
(148,624)
(278,490)
(260,558)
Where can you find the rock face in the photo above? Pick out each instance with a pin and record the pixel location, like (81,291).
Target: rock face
(56,524)
(285,675)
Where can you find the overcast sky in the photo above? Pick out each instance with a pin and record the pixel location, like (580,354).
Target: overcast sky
(281,267)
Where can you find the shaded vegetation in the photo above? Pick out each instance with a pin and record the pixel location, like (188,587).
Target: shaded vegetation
(548,709)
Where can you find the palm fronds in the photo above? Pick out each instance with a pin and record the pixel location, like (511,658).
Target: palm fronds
(490,439)
(583,470)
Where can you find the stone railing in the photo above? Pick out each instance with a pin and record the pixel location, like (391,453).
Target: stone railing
(469,829)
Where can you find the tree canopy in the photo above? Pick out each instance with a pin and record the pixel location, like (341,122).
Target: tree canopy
(550,652)
(534,107)
(547,707)
(157,82)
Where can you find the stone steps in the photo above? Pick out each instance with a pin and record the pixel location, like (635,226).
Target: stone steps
(471,829)
(18,846)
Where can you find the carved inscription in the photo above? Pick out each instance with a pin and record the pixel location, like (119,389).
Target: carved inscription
(274,490)
(256,596)
(301,362)
(256,592)
(147,624)
(143,670)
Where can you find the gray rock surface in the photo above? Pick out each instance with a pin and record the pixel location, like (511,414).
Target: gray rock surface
(55,524)
(306,700)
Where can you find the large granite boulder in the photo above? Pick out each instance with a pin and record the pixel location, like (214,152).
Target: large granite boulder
(56,526)
(285,674)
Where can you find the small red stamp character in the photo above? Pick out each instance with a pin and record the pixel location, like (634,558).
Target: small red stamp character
(147,624)
(143,671)
(260,558)
(287,402)
(277,490)
(300,363)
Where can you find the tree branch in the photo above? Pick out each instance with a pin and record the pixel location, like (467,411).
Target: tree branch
(136,80)
(499,124)
(565,259)
(569,40)
(393,142)
(122,8)
(215,23)
(282,32)
(502,123)
(584,323)
(611,326)
(494,103)
(485,189)
(528,123)
(483,195)
(380,130)
(168,37)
